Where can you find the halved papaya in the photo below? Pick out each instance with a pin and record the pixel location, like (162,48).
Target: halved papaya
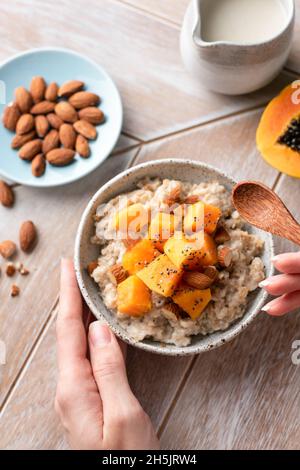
(278,134)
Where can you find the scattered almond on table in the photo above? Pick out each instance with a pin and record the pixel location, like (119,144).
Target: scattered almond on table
(27,236)
(10,269)
(8,249)
(52,123)
(15,290)
(7,197)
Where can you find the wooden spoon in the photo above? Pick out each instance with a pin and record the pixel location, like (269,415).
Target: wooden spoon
(261,207)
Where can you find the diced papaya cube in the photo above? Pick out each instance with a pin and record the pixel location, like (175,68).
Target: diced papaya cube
(131,220)
(192,301)
(191,254)
(161,276)
(133,297)
(141,254)
(201,216)
(209,251)
(161,228)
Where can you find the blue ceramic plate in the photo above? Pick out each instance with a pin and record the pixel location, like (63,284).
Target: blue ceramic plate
(59,65)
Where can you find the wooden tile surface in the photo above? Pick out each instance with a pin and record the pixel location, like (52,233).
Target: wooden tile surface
(172,10)
(138,50)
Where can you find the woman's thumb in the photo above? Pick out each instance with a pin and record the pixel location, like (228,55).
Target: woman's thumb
(108,366)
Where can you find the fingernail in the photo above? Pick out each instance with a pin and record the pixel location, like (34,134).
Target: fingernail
(265,283)
(275,258)
(100,334)
(268,307)
(265,308)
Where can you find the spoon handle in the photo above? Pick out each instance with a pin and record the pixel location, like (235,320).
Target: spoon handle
(291,231)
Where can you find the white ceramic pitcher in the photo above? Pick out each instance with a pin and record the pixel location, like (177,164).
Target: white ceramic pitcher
(232,68)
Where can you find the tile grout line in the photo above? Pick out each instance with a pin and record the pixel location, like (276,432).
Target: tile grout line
(239,112)
(141,143)
(135,157)
(277,181)
(205,123)
(224,117)
(29,356)
(131,136)
(151,14)
(128,149)
(291,71)
(177,393)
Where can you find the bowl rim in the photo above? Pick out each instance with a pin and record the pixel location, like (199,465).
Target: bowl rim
(65,50)
(169,350)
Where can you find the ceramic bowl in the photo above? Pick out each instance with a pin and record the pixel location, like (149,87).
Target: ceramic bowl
(59,65)
(228,67)
(85,252)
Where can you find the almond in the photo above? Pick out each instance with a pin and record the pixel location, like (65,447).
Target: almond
(175,309)
(51,141)
(66,112)
(23,99)
(82,146)
(221,236)
(11,115)
(15,290)
(60,157)
(44,107)
(38,165)
(197,280)
(191,199)
(83,99)
(30,150)
(37,89)
(27,236)
(91,267)
(67,136)
(25,124)
(92,114)
(22,270)
(69,88)
(212,272)
(173,197)
(41,125)
(54,120)
(10,269)
(51,92)
(7,197)
(224,257)
(86,129)
(7,249)
(19,140)
(118,273)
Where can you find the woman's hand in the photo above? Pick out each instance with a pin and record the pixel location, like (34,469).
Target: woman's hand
(94,401)
(286,286)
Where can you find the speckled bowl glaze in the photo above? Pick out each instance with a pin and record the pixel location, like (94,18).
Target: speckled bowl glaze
(85,252)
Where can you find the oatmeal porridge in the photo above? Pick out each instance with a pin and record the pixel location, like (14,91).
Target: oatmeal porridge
(185,269)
